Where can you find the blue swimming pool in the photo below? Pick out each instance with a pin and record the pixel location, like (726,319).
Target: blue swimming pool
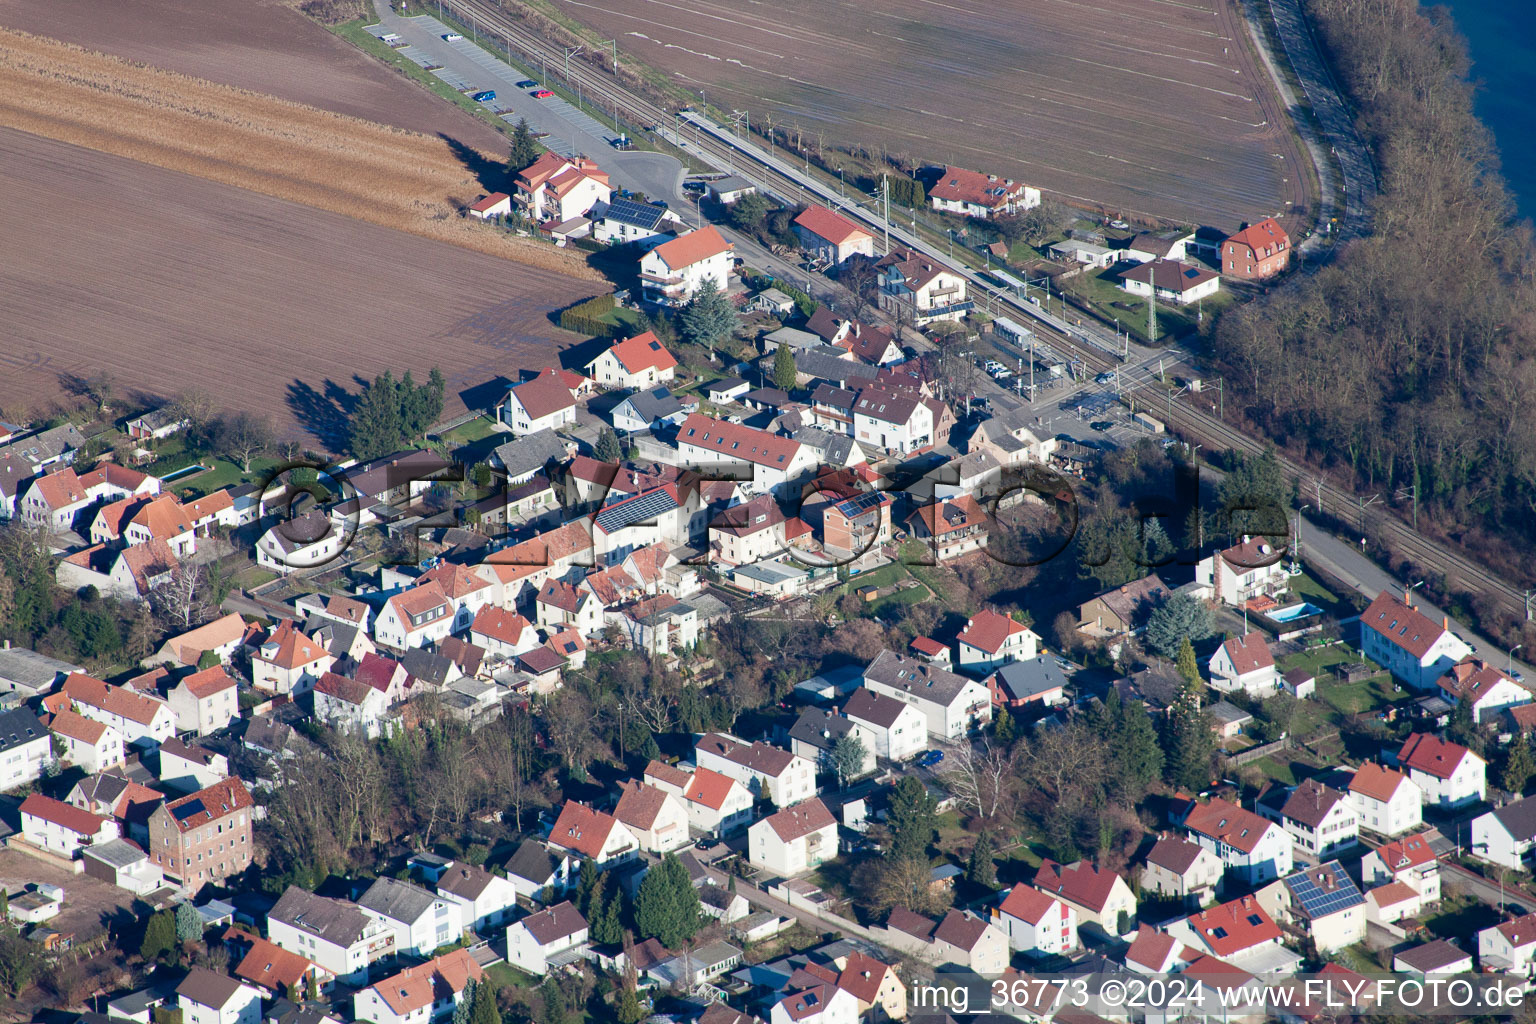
(183,471)
(1292,612)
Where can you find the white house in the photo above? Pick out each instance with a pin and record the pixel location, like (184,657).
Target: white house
(1036,923)
(952,704)
(1238,932)
(1489,690)
(335,934)
(1244,663)
(1436,957)
(1251,569)
(1173,281)
(1182,870)
(1099,896)
(588,833)
(793,840)
(1506,835)
(900,730)
(92,745)
(351,705)
(898,421)
(303,542)
(556,189)
(534,939)
(657,818)
(990,641)
(1321,820)
(205,701)
(190,768)
(485,900)
(775,463)
(918,290)
(288,662)
(1449,774)
(140,718)
(208,997)
(1407,643)
(1509,946)
(61,828)
(497,204)
(637,363)
(672,273)
(831,236)
(1389,803)
(1254,850)
(543,403)
(420,994)
(1321,902)
(1409,860)
(815,1004)
(972,941)
(535,867)
(25,748)
(769,772)
(716,803)
(416,617)
(421,921)
(817,731)
(502,633)
(650,409)
(974,194)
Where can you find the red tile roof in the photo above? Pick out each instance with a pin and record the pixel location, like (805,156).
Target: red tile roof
(862,976)
(987,190)
(1376,781)
(490,201)
(500,625)
(667,773)
(77,727)
(293,648)
(1472,678)
(988,631)
(643,352)
(1174,854)
(1404,626)
(208,682)
(1151,948)
(640,805)
(116,700)
(266,964)
(808,1002)
(834,227)
(1081,883)
(739,442)
(1169,275)
(970,514)
(1262,234)
(961,929)
(60,489)
(1311,802)
(928,646)
(1405,854)
(211,804)
(801,820)
(1027,904)
(582,829)
(543,396)
(1234,927)
(1228,823)
(163,517)
(686,250)
(1249,653)
(1431,755)
(58,812)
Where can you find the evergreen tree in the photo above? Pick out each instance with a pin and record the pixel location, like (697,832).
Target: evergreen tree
(911,818)
(709,318)
(466,1005)
(607,447)
(784,369)
(1003,729)
(667,905)
(1518,767)
(1137,753)
(374,429)
(557,1009)
(524,148)
(1179,619)
(159,935)
(432,404)
(981,869)
(607,930)
(846,758)
(1463,728)
(312,987)
(630,1011)
(1189,668)
(483,1009)
(1189,744)
(588,887)
(412,406)
(189,923)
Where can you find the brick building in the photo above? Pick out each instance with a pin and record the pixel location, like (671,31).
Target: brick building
(203,837)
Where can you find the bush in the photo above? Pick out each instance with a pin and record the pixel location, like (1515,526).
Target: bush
(587,317)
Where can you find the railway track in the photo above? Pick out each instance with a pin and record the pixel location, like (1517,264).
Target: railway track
(1201,427)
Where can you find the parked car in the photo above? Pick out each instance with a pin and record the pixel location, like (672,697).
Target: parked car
(707,843)
(451,37)
(542,94)
(930,758)
(1104,378)
(1101,424)
(484,96)
(993,366)
(527,83)
(1119,225)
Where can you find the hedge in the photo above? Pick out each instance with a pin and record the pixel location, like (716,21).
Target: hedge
(587,317)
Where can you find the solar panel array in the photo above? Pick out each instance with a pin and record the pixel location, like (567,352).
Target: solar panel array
(639,509)
(627,211)
(1320,900)
(188,809)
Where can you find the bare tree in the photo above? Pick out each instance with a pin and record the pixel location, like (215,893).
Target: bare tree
(567,717)
(182,600)
(360,788)
(979,776)
(196,407)
(243,436)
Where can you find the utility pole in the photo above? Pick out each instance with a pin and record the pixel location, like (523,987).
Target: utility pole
(1413,492)
(1151,315)
(570,51)
(615,44)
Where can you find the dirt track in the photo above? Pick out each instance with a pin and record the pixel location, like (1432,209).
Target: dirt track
(259,45)
(174,282)
(1140,106)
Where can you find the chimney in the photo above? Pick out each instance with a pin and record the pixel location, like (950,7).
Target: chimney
(1407,593)
(1445,622)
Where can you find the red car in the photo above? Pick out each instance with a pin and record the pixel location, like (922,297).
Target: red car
(542,94)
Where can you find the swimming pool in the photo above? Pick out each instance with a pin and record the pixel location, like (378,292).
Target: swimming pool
(183,471)
(1292,612)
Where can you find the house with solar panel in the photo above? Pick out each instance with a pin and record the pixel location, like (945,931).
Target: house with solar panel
(648,410)
(1320,902)
(204,837)
(627,222)
(639,362)
(660,515)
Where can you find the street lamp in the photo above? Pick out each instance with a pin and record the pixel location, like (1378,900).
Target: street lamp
(1509,663)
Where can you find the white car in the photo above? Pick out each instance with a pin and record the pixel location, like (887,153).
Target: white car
(452,37)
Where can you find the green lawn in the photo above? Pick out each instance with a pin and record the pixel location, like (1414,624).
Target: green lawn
(1276,769)
(1461,916)
(1353,698)
(911,595)
(631,321)
(885,576)
(1307,588)
(467,433)
(1320,660)
(505,974)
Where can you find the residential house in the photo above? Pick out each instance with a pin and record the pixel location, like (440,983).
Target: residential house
(535,867)
(584,832)
(730,188)
(1156,952)
(1449,774)
(287,662)
(527,458)
(854,525)
(113,796)
(223,636)
(815,1004)
(879,347)
(205,837)
(502,633)
(351,705)
(991,640)
(1245,663)
(48,447)
(817,731)
(1435,957)
(777,463)
(1036,922)
(637,363)
(1259,250)
(768,772)
(872,983)
(1321,820)
(1239,932)
(1393,902)
(951,703)
(1322,903)
(52,502)
(534,940)
(420,994)
(971,941)
(918,291)
(1509,946)
(1172,280)
(140,718)
(747,533)
(1506,835)
(793,840)
(1122,611)
(270,968)
(974,194)
(1488,690)
(208,997)
(421,921)
(204,702)
(127,574)
(1407,643)
(649,409)
(163,519)
(1255,851)
(306,541)
(1099,896)
(672,273)
(155,425)
(335,934)
(185,768)
(656,817)
(497,204)
(93,746)
(1179,869)
(716,803)
(1254,568)
(830,236)
(28,674)
(422,615)
(559,604)
(15,476)
(1409,860)
(951,527)
(1388,802)
(543,403)
(1038,681)
(25,746)
(626,222)
(58,828)
(893,420)
(556,189)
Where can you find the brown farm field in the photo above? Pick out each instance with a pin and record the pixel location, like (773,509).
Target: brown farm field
(1140,107)
(261,45)
(173,282)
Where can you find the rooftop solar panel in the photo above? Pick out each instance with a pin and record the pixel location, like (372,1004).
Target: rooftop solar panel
(188,809)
